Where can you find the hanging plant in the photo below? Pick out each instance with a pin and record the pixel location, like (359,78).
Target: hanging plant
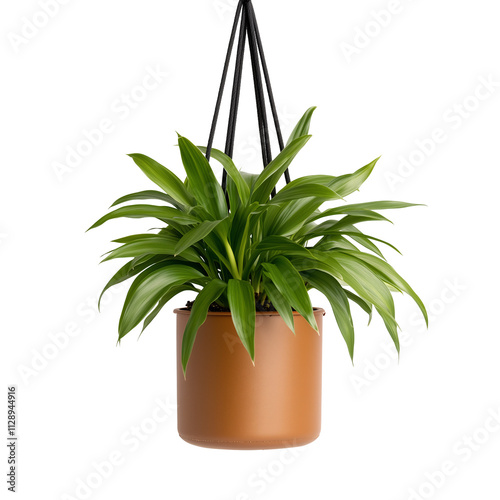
(244,249)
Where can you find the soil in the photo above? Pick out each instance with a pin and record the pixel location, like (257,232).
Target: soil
(265,307)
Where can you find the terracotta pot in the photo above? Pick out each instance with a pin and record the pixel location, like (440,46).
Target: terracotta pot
(227,402)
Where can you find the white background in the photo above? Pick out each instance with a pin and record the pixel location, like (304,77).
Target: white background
(387,428)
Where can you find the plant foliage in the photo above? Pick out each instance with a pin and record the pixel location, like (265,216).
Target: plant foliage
(261,248)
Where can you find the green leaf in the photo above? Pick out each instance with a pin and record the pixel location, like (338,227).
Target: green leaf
(196,234)
(214,243)
(202,181)
(232,172)
(369,287)
(135,237)
(143,211)
(360,278)
(280,304)
(361,236)
(152,244)
(269,177)
(164,178)
(347,184)
(302,127)
(148,195)
(293,216)
(365,242)
(302,264)
(387,272)
(314,180)
(330,242)
(334,243)
(276,245)
(291,285)
(282,245)
(130,269)
(164,301)
(366,306)
(250,179)
(343,185)
(305,191)
(362,215)
(240,296)
(335,294)
(148,288)
(374,205)
(333,226)
(212,291)
(392,327)
(239,234)
(365,216)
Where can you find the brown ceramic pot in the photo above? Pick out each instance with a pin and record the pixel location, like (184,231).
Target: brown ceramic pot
(227,402)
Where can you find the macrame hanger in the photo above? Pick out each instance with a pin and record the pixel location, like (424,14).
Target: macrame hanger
(248,29)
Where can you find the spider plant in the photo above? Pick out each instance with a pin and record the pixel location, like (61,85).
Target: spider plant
(260,250)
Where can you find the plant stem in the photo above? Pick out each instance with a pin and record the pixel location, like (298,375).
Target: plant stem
(206,268)
(232,261)
(241,256)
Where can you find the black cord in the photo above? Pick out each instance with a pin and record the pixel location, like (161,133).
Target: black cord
(235,98)
(223,82)
(259,90)
(248,27)
(270,91)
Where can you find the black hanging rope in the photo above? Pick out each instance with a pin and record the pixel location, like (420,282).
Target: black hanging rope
(270,91)
(259,91)
(223,82)
(248,28)
(235,98)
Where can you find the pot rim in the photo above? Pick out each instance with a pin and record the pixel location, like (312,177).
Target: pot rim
(183,310)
